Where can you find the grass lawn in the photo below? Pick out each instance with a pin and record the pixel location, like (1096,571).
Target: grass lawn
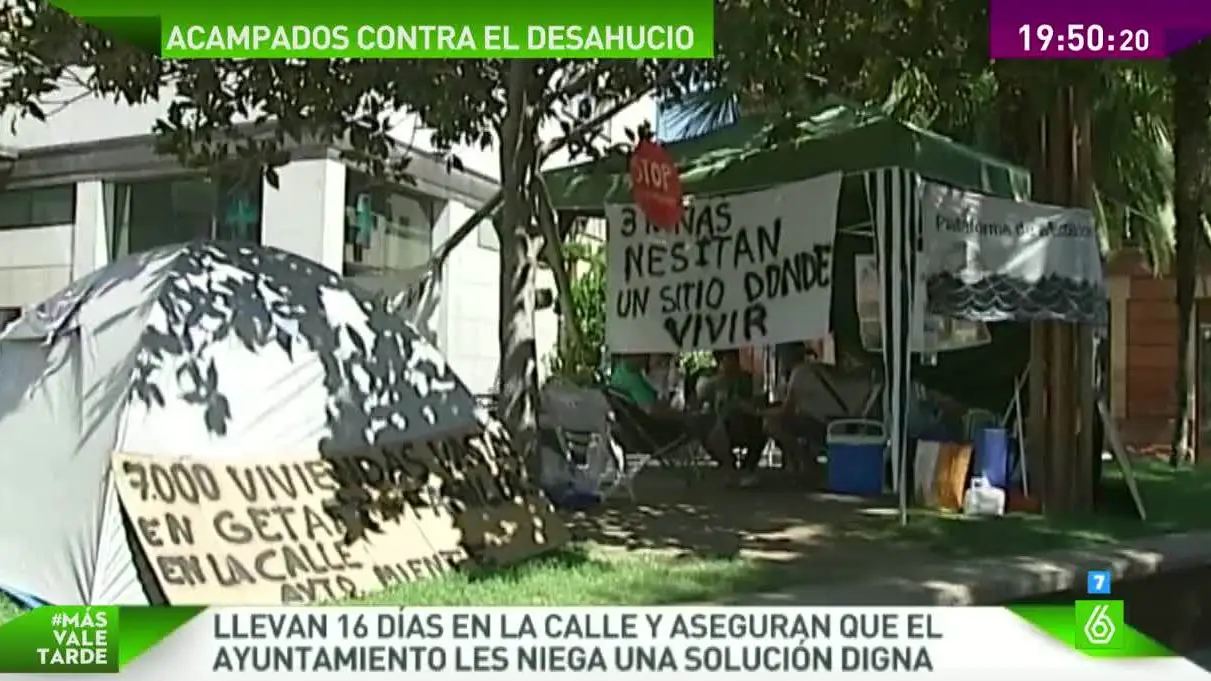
(1174,499)
(1176,502)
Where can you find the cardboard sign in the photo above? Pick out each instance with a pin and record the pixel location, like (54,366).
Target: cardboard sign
(521,523)
(309,529)
(740,269)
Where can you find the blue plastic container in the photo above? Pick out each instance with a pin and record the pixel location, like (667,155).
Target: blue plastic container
(1014,474)
(992,456)
(856,451)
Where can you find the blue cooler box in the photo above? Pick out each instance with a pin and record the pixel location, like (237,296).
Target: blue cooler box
(856,453)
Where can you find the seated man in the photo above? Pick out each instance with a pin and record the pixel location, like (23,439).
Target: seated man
(731,395)
(932,415)
(663,375)
(797,424)
(627,377)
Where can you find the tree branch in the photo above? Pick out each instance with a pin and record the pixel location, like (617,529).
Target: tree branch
(488,210)
(553,253)
(580,130)
(485,212)
(577,86)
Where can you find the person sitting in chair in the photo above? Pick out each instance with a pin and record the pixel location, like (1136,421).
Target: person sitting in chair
(731,396)
(794,423)
(663,375)
(627,378)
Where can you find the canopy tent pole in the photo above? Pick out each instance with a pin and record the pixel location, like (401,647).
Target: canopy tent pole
(1014,412)
(895,207)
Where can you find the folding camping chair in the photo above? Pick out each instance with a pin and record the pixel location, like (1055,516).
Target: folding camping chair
(830,404)
(643,441)
(602,466)
(575,422)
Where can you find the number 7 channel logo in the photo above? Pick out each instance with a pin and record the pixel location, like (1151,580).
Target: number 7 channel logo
(1099,625)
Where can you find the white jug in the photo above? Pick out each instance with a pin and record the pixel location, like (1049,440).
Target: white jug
(983,499)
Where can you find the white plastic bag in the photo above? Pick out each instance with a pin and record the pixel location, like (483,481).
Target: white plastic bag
(925,469)
(984,499)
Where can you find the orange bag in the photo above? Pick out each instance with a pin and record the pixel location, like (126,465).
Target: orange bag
(950,475)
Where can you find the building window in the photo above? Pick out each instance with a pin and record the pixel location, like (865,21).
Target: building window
(38,207)
(386,228)
(155,213)
(486,236)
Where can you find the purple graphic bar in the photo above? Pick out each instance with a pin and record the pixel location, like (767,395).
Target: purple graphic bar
(1095,29)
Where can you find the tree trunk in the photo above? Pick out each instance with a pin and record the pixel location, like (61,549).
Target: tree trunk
(1021,113)
(1192,152)
(1047,132)
(518,381)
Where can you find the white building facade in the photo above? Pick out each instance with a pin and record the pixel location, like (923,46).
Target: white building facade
(87,187)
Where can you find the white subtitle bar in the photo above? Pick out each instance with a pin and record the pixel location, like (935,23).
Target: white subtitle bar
(505,644)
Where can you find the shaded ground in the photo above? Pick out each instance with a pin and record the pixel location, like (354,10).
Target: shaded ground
(707,543)
(818,537)
(797,535)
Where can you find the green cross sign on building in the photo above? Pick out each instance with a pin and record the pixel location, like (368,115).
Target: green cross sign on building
(241,216)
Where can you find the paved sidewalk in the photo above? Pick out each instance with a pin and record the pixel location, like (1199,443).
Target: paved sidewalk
(990,581)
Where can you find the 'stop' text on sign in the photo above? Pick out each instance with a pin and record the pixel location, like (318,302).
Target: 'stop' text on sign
(656,185)
(742,269)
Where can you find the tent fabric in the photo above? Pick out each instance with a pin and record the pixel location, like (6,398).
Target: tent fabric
(997,297)
(23,600)
(896,214)
(758,152)
(884,161)
(201,350)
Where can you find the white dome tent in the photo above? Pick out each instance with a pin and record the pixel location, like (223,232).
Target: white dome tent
(202,350)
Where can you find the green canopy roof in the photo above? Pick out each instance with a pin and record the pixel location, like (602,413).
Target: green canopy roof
(834,136)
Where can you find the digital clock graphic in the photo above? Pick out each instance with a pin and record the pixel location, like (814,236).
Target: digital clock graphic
(1091,40)
(1093,29)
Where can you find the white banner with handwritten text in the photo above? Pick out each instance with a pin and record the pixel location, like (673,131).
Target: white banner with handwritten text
(740,270)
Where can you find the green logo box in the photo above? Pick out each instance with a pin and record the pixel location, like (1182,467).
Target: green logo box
(1099,625)
(61,640)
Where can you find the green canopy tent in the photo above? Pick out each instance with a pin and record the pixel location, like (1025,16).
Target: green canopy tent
(883,160)
(756,153)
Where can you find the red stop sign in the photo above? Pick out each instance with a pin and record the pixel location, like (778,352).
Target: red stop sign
(656,185)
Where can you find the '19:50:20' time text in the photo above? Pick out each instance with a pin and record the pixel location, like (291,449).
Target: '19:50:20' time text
(1090,39)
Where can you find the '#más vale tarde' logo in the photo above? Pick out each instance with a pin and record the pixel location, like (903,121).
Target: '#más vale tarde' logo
(61,640)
